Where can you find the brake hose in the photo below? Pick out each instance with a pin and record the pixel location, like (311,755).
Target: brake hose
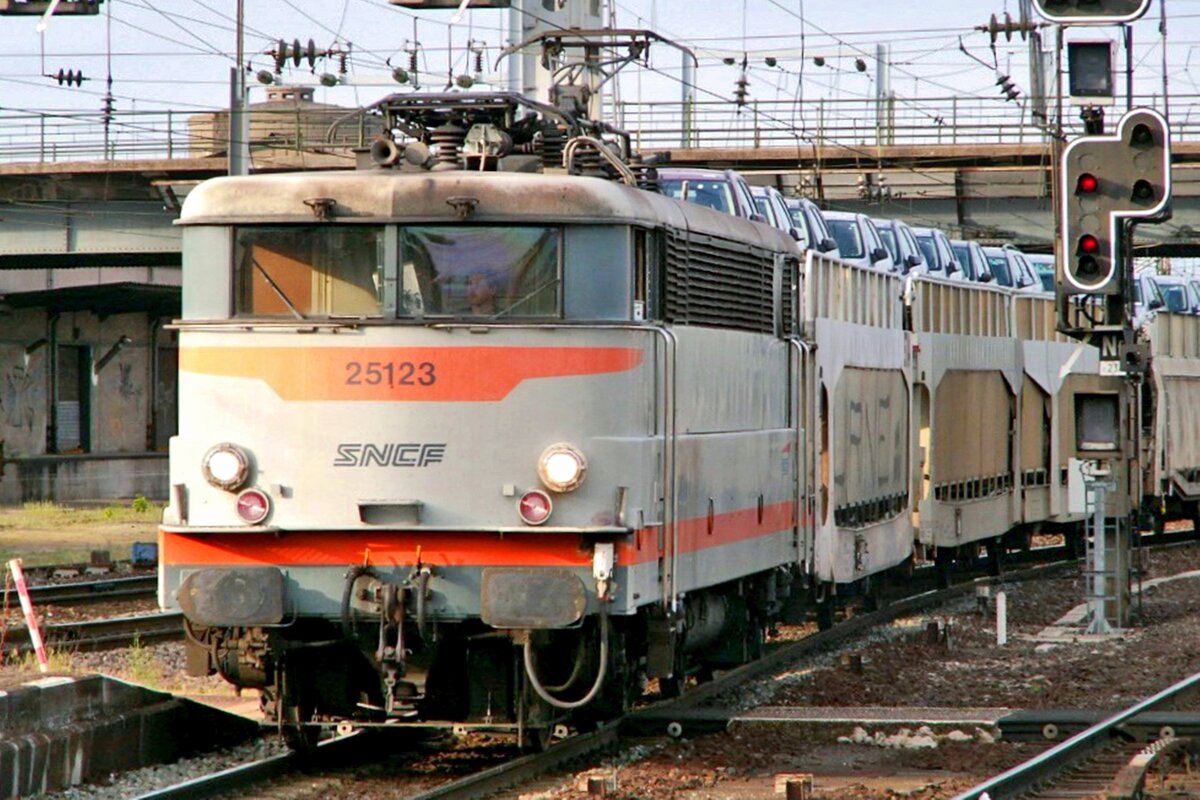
(531,673)
(352,576)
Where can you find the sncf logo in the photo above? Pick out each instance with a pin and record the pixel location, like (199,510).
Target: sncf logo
(388,455)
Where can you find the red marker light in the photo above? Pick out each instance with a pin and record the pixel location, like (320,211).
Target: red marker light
(535,507)
(253,506)
(1089,244)
(1087,183)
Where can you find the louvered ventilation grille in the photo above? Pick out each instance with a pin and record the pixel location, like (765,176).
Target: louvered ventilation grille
(720,283)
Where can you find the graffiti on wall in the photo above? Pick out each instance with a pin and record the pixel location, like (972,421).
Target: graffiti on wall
(127,387)
(19,401)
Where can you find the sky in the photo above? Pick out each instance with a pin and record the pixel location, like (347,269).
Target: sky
(177,53)
(810,67)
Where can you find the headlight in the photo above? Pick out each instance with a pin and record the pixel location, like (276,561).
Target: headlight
(226,466)
(562,467)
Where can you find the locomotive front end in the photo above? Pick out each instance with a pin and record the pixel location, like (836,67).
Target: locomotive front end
(409,443)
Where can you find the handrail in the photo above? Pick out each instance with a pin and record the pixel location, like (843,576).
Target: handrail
(804,519)
(851,123)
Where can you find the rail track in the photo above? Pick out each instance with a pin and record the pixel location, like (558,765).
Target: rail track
(668,717)
(1100,761)
(102,634)
(80,592)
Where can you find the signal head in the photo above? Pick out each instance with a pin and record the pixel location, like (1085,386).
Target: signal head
(1143,191)
(1141,136)
(1091,12)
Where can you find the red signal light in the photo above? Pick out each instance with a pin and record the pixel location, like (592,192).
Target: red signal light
(1089,244)
(1087,183)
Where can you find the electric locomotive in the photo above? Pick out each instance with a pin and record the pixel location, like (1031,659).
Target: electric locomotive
(488,434)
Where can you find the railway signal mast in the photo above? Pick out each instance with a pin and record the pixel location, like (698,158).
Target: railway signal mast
(1107,183)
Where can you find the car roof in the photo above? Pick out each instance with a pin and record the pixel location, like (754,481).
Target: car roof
(993,250)
(693,172)
(841,214)
(1171,279)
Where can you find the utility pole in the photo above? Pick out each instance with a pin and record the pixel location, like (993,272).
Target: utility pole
(239,121)
(1106,184)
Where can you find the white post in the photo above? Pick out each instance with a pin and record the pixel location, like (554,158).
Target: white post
(35,633)
(1002,619)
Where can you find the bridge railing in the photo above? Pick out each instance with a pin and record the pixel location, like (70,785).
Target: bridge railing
(86,136)
(43,136)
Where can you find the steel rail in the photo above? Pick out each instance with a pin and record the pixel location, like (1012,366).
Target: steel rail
(523,769)
(93,591)
(1056,760)
(780,657)
(242,776)
(103,634)
(526,768)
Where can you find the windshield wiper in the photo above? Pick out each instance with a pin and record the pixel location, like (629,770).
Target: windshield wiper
(521,301)
(275,287)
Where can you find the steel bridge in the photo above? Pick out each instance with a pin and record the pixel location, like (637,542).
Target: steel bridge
(81,189)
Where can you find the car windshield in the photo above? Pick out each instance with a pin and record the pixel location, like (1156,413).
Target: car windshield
(929,248)
(1176,298)
(999,265)
(1046,274)
(488,272)
(714,194)
(889,241)
(845,232)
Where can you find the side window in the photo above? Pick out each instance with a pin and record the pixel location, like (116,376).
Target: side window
(762,204)
(781,211)
(944,248)
(913,247)
(743,192)
(872,236)
(818,222)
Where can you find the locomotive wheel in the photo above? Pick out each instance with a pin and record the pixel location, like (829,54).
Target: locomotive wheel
(944,564)
(301,738)
(289,716)
(825,614)
(536,740)
(995,554)
(673,686)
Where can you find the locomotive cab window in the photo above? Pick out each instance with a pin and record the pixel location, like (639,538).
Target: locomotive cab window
(492,272)
(295,271)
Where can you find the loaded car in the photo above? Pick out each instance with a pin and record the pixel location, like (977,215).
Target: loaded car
(939,255)
(900,241)
(971,260)
(858,240)
(807,216)
(771,205)
(719,189)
